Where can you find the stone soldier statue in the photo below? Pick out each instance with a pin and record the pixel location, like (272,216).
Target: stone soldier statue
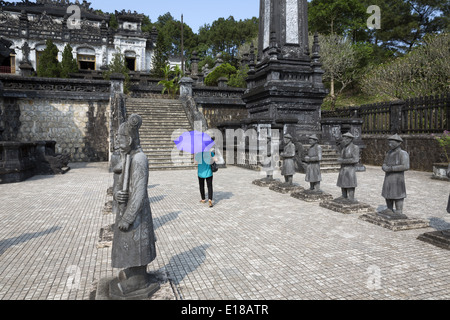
(395,164)
(313,158)
(348,159)
(269,161)
(134,238)
(288,154)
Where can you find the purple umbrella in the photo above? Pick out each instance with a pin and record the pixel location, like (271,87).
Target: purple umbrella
(194,142)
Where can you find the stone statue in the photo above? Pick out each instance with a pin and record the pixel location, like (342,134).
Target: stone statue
(288,154)
(269,162)
(395,164)
(349,158)
(313,158)
(134,238)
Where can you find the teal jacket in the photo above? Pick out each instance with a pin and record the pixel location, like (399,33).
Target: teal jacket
(204,160)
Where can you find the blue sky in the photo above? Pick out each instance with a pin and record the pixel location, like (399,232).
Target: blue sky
(195,12)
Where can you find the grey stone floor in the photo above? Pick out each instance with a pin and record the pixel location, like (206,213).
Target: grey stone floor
(254,244)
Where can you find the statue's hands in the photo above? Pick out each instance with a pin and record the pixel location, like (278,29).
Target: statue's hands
(123,226)
(122,196)
(306,158)
(386,168)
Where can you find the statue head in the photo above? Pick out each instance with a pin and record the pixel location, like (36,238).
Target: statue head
(347,138)
(394,141)
(128,135)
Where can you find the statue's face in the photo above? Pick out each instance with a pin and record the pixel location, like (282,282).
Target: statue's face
(124,143)
(393,144)
(312,141)
(286,140)
(346,141)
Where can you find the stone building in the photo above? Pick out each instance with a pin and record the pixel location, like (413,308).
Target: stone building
(27,25)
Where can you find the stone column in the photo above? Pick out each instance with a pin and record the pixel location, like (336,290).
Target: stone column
(186,87)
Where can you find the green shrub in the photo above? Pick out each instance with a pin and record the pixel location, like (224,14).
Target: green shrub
(224,70)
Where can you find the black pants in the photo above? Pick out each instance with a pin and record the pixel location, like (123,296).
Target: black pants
(209,183)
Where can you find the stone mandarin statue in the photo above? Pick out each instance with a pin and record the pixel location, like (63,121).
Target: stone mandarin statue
(395,164)
(312,159)
(348,159)
(134,238)
(288,154)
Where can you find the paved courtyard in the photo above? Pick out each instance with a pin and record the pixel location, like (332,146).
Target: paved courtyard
(253,244)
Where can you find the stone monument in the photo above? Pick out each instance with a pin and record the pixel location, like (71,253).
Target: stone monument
(395,164)
(286,83)
(347,181)
(268,165)
(288,168)
(134,239)
(313,174)
(439,238)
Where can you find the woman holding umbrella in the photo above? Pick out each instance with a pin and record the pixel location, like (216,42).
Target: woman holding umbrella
(204,161)
(200,144)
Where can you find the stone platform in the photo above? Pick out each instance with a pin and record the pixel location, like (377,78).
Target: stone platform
(281,187)
(265,182)
(393,223)
(347,207)
(161,290)
(438,238)
(311,195)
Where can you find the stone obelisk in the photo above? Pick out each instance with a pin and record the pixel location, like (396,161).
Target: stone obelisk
(286,85)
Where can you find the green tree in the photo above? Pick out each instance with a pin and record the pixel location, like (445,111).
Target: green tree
(224,70)
(113,23)
(160,57)
(170,31)
(225,36)
(118,65)
(342,17)
(404,23)
(68,63)
(339,61)
(48,63)
(423,71)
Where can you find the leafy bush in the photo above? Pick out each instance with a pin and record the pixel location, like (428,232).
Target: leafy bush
(422,72)
(237,80)
(171,80)
(224,70)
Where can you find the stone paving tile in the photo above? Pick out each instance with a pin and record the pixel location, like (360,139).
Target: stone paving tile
(253,244)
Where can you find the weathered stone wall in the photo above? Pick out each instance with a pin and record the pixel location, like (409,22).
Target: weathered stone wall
(423,150)
(74,113)
(217,114)
(79,128)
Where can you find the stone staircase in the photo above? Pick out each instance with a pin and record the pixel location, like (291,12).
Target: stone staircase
(329,161)
(160,119)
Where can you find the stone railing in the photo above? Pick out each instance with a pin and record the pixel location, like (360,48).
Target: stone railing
(33,87)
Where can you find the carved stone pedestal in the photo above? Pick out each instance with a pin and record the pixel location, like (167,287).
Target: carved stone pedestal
(394,222)
(312,195)
(107,289)
(438,238)
(265,182)
(346,206)
(286,188)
